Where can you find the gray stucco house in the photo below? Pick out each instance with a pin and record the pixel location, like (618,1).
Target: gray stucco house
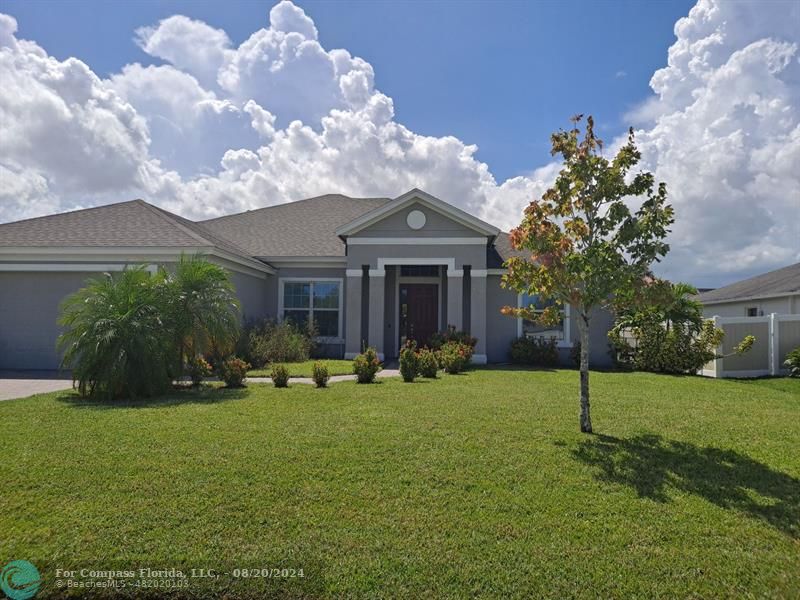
(368,271)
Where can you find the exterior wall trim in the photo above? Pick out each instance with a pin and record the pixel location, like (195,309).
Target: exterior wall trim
(416,195)
(417,241)
(710,303)
(68,267)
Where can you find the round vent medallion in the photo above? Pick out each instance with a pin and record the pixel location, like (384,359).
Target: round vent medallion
(416,219)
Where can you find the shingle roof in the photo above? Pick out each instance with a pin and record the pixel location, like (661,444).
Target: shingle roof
(775,283)
(134,223)
(302,228)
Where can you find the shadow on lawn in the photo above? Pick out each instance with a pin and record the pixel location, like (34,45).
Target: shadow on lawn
(729,479)
(205,395)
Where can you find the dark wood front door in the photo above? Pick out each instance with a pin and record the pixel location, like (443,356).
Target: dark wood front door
(419,311)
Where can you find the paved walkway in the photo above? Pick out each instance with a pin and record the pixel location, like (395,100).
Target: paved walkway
(13,385)
(22,388)
(333,379)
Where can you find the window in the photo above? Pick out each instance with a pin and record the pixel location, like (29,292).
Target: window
(533,329)
(317,300)
(751,311)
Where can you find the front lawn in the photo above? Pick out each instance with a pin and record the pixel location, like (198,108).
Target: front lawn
(303,369)
(475,485)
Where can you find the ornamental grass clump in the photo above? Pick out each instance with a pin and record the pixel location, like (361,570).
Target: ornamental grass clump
(366,366)
(280,376)
(409,361)
(320,374)
(428,363)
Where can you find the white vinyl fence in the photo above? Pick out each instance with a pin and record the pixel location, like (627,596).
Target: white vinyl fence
(776,335)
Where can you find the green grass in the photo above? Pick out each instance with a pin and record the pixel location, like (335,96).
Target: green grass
(303,369)
(476,485)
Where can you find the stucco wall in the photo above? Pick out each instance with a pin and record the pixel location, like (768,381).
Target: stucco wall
(29,308)
(789,305)
(464,254)
(252,294)
(500,329)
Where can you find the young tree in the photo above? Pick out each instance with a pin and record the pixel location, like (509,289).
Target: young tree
(585,242)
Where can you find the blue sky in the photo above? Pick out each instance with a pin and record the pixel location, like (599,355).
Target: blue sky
(211,108)
(502,75)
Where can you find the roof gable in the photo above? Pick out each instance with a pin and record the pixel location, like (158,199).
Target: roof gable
(417,196)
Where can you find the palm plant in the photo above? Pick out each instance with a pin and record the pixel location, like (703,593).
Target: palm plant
(203,309)
(115,338)
(681,308)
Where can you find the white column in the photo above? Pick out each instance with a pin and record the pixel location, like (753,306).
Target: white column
(353,333)
(377,280)
(455,298)
(477,319)
(773,351)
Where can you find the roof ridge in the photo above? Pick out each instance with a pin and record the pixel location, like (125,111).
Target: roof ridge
(295,202)
(77,210)
(168,216)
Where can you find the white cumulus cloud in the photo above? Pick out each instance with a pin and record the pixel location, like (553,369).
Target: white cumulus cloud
(221,128)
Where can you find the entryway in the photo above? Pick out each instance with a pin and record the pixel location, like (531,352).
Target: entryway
(419,312)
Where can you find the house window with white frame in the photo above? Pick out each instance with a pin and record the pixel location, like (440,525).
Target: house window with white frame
(317,300)
(529,328)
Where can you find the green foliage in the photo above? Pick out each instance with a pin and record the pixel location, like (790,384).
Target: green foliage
(280,376)
(428,363)
(116,340)
(198,369)
(792,362)
(129,334)
(202,308)
(661,350)
(320,375)
(440,338)
(232,371)
(535,351)
(270,342)
(659,300)
(366,366)
(409,361)
(455,356)
(583,243)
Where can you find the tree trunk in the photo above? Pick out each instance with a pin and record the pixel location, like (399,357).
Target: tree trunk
(586,418)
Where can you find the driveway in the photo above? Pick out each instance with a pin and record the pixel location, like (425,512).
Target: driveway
(21,384)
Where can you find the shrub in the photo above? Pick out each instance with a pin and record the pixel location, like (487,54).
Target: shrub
(115,340)
(792,362)
(280,376)
(409,361)
(198,369)
(428,363)
(232,371)
(320,374)
(270,342)
(439,339)
(366,365)
(129,334)
(455,356)
(537,351)
(675,350)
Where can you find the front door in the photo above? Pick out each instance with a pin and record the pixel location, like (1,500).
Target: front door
(419,311)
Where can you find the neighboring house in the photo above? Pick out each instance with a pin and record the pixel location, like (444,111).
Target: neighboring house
(774,292)
(370,271)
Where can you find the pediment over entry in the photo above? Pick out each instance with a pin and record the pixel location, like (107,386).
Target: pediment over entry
(415,211)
